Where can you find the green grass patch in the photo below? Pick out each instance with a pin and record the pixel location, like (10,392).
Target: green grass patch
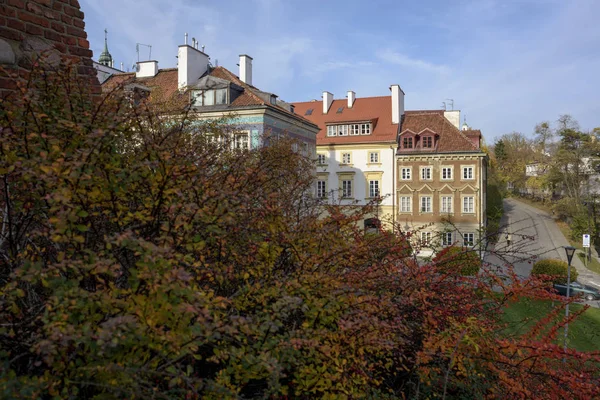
(584,332)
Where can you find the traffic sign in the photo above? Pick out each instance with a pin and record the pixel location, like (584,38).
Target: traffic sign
(586,240)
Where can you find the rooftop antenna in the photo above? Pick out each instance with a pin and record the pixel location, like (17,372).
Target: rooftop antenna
(451,104)
(137,49)
(444,105)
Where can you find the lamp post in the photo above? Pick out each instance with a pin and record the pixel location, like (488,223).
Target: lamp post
(570,250)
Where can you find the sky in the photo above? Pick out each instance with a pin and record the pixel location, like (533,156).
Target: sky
(507,64)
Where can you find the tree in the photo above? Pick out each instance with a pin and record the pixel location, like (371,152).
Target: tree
(141,259)
(515,152)
(544,135)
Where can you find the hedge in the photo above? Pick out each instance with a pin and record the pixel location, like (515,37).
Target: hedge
(454,258)
(555,268)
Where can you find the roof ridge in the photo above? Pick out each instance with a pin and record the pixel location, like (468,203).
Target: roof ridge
(242,84)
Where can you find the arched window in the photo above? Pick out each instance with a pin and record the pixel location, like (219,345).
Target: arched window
(372,225)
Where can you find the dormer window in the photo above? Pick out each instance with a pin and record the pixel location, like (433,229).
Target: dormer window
(427,142)
(209,97)
(407,143)
(349,129)
(273,100)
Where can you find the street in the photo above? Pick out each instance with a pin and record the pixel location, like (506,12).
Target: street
(533,235)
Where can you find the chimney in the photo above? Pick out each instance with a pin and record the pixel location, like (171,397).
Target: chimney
(246,69)
(146,69)
(191,64)
(351,98)
(327,100)
(397,103)
(454,117)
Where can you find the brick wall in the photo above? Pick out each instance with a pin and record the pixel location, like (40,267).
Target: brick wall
(29,27)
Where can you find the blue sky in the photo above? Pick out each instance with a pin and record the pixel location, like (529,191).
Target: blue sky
(507,64)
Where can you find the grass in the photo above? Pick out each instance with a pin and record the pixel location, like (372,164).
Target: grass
(584,332)
(594,264)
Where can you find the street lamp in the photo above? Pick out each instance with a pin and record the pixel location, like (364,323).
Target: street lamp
(570,250)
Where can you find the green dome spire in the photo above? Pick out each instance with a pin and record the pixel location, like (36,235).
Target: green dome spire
(105,57)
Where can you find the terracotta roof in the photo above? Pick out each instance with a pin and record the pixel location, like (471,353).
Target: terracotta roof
(451,139)
(375,109)
(166,81)
(378,110)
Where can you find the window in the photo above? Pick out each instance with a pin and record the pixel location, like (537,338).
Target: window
(342,130)
(425,238)
(446,173)
(209,97)
(346,188)
(331,130)
(427,142)
(365,129)
(446,204)
(321,189)
(321,159)
(447,239)
(405,204)
(372,225)
(425,173)
(355,129)
(309,112)
(407,143)
(468,205)
(406,174)
(339,110)
(346,158)
(467,173)
(426,204)
(468,239)
(373,188)
(348,129)
(240,141)
(373,157)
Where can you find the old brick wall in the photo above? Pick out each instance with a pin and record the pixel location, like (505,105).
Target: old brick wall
(30,27)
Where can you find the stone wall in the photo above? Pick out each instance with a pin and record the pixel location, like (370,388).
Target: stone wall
(30,27)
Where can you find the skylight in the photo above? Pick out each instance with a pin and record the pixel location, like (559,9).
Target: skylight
(309,111)
(339,111)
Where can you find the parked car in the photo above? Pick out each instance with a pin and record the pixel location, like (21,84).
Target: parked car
(577,289)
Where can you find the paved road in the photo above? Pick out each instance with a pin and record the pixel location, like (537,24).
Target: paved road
(533,235)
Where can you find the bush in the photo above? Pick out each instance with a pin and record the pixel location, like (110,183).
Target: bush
(557,269)
(457,260)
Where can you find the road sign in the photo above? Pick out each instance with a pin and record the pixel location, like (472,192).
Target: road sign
(586,240)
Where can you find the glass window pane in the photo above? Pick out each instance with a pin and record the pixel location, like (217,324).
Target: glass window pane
(221,96)
(209,97)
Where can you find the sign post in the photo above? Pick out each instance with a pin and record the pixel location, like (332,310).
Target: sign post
(586,246)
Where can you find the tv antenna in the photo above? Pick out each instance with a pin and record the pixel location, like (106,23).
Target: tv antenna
(451,103)
(444,105)
(137,50)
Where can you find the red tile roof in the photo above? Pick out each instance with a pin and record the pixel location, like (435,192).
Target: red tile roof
(379,111)
(165,83)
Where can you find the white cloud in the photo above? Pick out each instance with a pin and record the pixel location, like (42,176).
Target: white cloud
(395,57)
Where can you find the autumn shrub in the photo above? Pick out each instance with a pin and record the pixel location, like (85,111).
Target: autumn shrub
(454,259)
(556,269)
(139,259)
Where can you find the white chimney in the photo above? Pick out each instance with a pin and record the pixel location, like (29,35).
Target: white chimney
(327,100)
(191,65)
(146,69)
(246,69)
(454,117)
(351,98)
(397,103)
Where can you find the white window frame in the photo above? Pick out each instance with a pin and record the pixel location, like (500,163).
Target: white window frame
(448,172)
(425,171)
(447,239)
(322,159)
(365,129)
(446,205)
(425,205)
(346,158)
(426,239)
(321,188)
(376,154)
(468,239)
(468,205)
(467,173)
(240,141)
(406,173)
(374,188)
(355,129)
(347,188)
(405,204)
